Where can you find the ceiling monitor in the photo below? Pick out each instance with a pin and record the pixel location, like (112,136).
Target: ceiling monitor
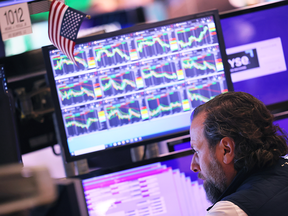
(257,48)
(137,85)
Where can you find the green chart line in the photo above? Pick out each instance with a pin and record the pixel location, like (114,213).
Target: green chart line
(81,61)
(74,93)
(150,41)
(163,107)
(64,60)
(192,38)
(100,51)
(152,73)
(132,113)
(189,64)
(60,63)
(198,97)
(116,85)
(89,122)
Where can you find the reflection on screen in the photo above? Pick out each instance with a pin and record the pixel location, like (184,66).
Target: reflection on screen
(257,48)
(164,188)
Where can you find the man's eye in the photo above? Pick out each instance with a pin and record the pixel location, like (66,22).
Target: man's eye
(194,151)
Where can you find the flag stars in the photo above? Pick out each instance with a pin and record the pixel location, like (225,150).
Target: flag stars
(71,24)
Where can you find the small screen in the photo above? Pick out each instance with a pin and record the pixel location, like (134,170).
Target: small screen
(166,188)
(137,86)
(257,49)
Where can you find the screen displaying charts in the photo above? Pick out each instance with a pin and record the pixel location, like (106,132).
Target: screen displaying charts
(138,85)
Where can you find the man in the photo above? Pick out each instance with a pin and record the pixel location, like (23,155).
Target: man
(238,155)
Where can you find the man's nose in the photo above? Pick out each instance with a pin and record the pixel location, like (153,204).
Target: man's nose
(194,164)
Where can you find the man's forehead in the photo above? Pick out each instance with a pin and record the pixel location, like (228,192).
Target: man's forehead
(196,129)
(198,121)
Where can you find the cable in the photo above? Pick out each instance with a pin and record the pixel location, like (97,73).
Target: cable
(55,153)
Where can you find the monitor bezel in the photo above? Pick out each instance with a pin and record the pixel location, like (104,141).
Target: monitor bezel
(63,137)
(160,158)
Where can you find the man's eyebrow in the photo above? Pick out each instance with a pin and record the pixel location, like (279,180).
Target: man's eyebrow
(192,148)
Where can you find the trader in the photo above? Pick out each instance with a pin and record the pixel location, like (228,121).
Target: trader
(237,152)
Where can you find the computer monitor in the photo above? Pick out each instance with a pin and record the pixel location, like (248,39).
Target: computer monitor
(137,85)
(163,185)
(257,48)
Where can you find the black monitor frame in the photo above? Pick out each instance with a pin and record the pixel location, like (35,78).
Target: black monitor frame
(160,158)
(136,28)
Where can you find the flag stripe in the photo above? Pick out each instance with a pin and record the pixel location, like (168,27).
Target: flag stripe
(71,48)
(63,41)
(66,42)
(63,26)
(55,18)
(51,18)
(57,24)
(60,18)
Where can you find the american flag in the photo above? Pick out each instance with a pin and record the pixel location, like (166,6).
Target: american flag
(63,26)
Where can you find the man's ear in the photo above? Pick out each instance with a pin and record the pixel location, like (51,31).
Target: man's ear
(227,145)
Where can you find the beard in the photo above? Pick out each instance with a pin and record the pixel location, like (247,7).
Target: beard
(215,183)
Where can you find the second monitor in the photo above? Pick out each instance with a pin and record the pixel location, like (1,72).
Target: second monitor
(257,48)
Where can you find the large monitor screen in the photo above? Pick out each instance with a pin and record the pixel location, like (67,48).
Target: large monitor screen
(162,186)
(137,84)
(257,48)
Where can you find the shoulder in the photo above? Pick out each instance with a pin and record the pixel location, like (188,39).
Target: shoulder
(225,208)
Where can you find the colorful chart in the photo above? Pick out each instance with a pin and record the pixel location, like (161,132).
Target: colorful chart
(118,83)
(153,45)
(159,74)
(199,65)
(193,36)
(164,104)
(123,113)
(81,123)
(112,54)
(76,92)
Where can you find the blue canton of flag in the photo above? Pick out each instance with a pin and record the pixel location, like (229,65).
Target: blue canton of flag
(71,23)
(63,26)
